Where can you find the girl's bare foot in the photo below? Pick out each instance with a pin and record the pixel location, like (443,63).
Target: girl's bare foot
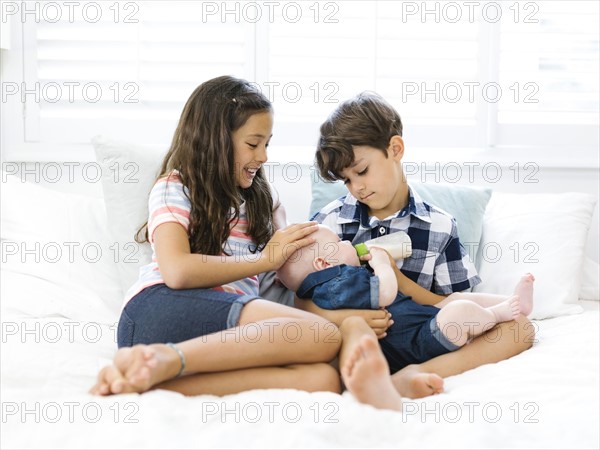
(367,376)
(137,369)
(109,381)
(524,290)
(410,382)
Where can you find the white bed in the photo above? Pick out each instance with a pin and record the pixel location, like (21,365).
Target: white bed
(58,329)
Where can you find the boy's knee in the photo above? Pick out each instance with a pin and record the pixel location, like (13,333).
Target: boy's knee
(520,331)
(527,330)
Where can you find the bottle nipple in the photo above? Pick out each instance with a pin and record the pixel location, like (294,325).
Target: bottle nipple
(361,249)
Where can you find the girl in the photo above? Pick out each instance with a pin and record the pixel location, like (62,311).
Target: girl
(213,226)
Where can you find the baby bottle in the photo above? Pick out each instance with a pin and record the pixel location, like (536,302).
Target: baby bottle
(397,244)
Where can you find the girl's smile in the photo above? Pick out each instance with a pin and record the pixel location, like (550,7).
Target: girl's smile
(250,143)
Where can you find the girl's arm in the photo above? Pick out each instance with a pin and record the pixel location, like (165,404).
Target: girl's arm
(182,269)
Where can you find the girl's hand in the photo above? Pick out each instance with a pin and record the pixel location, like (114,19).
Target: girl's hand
(286,241)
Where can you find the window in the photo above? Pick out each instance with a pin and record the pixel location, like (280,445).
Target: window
(500,76)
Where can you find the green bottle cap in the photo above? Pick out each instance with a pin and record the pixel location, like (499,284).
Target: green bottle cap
(361,249)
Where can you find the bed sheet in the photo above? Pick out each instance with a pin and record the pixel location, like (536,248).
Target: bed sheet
(547,397)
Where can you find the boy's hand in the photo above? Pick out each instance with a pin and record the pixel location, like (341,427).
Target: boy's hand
(378,319)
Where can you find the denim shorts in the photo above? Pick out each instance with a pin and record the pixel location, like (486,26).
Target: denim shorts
(159,314)
(414,337)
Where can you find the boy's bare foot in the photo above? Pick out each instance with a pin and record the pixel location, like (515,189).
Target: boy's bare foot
(137,369)
(410,382)
(367,376)
(524,290)
(507,310)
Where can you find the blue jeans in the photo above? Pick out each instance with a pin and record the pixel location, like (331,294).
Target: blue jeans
(414,336)
(412,339)
(159,314)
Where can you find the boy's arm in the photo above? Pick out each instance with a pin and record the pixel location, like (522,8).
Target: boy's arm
(417,292)
(378,319)
(454,271)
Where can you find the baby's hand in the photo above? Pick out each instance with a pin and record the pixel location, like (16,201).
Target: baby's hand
(378,256)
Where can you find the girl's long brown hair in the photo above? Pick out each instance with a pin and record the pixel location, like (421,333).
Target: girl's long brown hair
(202,152)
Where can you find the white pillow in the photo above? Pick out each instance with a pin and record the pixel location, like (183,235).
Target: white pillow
(590,283)
(544,234)
(128,174)
(58,237)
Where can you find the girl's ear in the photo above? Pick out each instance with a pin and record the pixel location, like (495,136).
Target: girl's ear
(320,263)
(397,147)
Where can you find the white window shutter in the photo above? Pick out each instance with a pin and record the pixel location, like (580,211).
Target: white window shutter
(127,80)
(550,63)
(543,55)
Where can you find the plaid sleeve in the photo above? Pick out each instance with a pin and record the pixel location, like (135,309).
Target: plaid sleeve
(319,216)
(329,215)
(454,271)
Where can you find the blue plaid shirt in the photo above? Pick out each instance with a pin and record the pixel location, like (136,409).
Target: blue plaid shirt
(439,262)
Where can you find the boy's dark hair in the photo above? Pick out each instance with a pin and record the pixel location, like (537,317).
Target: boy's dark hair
(366,119)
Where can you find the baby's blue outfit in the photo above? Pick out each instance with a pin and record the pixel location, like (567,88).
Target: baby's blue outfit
(412,339)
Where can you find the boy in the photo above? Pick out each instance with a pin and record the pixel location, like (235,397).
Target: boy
(361,143)
(329,272)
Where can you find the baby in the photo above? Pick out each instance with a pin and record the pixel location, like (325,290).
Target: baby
(425,326)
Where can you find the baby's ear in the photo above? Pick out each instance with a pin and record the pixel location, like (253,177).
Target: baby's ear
(319,263)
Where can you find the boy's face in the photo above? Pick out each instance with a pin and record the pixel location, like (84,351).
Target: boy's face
(376,180)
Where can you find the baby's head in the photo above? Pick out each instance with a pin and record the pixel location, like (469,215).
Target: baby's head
(327,251)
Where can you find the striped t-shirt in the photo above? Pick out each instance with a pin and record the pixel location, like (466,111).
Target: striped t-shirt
(168,203)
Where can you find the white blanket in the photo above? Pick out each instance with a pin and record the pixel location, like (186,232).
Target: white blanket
(546,397)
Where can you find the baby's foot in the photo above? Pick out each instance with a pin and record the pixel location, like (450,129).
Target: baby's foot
(410,382)
(137,369)
(507,310)
(524,290)
(366,375)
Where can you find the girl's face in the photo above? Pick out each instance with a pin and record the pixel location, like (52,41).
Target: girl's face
(250,143)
